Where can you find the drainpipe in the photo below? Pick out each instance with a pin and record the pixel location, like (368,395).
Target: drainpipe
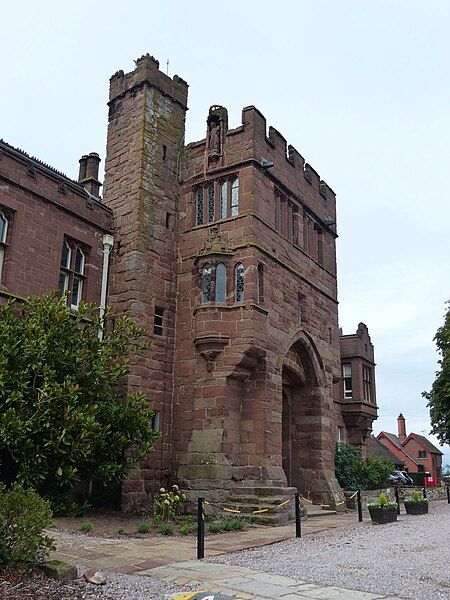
(108,242)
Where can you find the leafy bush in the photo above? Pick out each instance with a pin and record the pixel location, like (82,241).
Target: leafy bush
(214,527)
(233,524)
(165,504)
(86,527)
(383,502)
(23,517)
(61,420)
(417,498)
(165,529)
(121,531)
(143,527)
(185,529)
(354,472)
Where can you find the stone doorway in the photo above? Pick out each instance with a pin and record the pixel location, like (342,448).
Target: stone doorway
(302,422)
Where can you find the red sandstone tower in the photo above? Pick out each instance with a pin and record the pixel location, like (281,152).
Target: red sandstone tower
(225,253)
(144,149)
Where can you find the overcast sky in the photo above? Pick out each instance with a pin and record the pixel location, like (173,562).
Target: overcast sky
(360,87)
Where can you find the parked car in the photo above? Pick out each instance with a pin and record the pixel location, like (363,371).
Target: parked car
(407,477)
(400,478)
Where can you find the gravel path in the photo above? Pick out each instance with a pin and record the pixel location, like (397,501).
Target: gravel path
(409,558)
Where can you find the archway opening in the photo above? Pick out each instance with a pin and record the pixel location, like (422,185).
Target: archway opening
(302,423)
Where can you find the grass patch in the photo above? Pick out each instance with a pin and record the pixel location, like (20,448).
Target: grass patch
(86,527)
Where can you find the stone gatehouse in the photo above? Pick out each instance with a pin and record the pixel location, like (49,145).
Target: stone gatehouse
(225,251)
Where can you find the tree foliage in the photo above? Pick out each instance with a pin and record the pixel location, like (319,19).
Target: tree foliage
(61,418)
(439,395)
(354,472)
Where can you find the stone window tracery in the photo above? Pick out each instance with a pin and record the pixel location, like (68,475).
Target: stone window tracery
(239,282)
(235,197)
(207,284)
(224,200)
(72,272)
(221,283)
(211,203)
(199,206)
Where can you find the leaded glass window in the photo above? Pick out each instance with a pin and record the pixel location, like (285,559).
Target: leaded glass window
(66,254)
(211,202)
(221,283)
(199,206)
(207,284)
(77,285)
(3,232)
(235,197)
(224,200)
(239,282)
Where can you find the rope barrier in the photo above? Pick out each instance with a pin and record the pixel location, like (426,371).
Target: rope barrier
(254,512)
(306,500)
(352,496)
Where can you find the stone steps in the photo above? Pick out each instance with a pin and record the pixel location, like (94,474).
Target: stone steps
(248,499)
(315,510)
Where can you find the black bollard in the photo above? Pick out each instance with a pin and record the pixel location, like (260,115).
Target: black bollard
(424,492)
(298,518)
(200,530)
(397,499)
(358,498)
(448,494)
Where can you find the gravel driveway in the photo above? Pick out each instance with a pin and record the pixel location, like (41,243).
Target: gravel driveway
(409,558)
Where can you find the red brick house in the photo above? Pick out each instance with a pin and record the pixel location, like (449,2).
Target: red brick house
(224,250)
(418,453)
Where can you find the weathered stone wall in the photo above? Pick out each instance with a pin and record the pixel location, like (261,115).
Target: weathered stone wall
(144,149)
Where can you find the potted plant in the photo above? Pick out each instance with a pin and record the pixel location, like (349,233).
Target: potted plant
(418,505)
(383,511)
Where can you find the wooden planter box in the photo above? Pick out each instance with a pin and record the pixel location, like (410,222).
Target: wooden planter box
(383,515)
(416,508)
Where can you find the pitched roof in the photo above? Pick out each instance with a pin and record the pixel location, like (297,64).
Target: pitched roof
(394,439)
(377,448)
(431,447)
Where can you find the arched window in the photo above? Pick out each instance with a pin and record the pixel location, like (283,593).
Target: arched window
(239,282)
(199,206)
(224,200)
(235,197)
(207,284)
(66,256)
(211,203)
(77,285)
(260,283)
(221,283)
(3,233)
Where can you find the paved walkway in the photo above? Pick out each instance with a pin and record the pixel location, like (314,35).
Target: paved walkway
(173,559)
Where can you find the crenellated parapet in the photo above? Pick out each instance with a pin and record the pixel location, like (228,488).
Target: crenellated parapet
(147,73)
(267,150)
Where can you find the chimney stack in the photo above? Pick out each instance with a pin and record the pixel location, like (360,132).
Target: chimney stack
(401,427)
(88,175)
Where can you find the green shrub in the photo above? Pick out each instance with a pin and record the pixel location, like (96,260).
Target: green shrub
(86,527)
(165,504)
(144,527)
(165,529)
(354,472)
(214,527)
(121,531)
(23,517)
(60,415)
(233,524)
(383,502)
(417,498)
(185,529)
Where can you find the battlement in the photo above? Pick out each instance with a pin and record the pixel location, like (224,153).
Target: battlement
(275,148)
(147,72)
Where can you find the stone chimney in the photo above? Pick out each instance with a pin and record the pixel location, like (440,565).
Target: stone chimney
(88,175)
(401,427)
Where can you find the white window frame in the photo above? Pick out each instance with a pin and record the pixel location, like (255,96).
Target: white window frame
(346,376)
(3,241)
